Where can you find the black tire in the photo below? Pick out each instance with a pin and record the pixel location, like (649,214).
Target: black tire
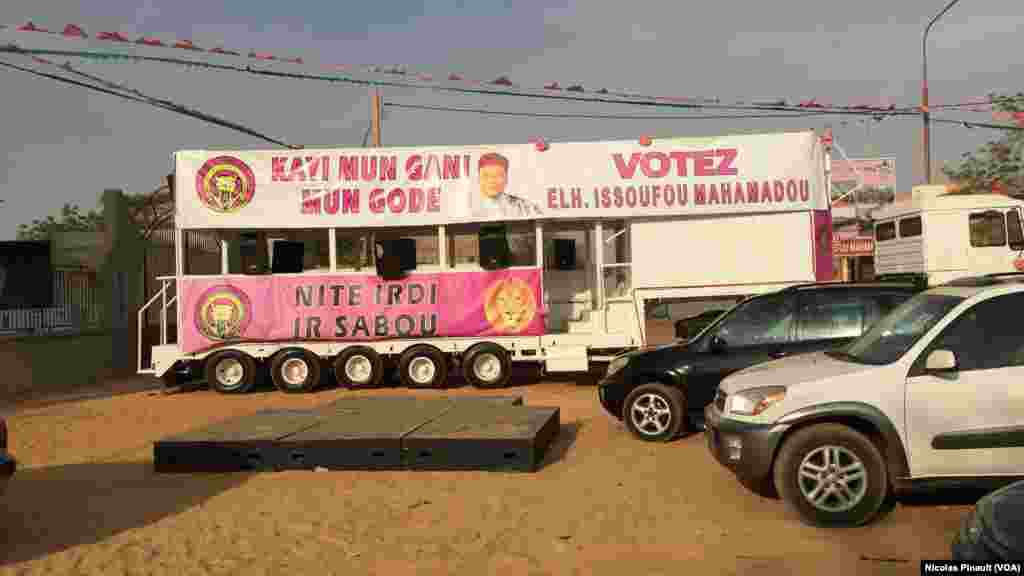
(221,372)
(487,365)
(655,412)
(352,362)
(864,494)
(295,371)
(414,368)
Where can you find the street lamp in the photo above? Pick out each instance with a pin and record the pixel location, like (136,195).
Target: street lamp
(924,94)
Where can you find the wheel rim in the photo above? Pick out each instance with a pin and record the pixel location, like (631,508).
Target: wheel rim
(359,369)
(422,370)
(229,373)
(487,367)
(651,414)
(294,371)
(832,479)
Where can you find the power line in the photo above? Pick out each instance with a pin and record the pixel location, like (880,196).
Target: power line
(555,115)
(136,96)
(968,124)
(598,116)
(624,99)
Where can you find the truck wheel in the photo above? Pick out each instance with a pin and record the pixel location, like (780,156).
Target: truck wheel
(230,372)
(295,371)
(831,476)
(655,412)
(359,367)
(423,367)
(487,366)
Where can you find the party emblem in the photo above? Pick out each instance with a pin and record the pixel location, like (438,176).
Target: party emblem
(225,184)
(223,313)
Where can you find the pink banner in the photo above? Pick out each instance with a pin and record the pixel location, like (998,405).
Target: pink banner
(822,231)
(359,307)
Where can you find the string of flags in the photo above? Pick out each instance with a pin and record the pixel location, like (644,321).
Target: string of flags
(871,110)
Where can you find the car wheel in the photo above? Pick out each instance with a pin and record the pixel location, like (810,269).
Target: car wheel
(359,367)
(231,372)
(831,476)
(655,412)
(295,371)
(487,366)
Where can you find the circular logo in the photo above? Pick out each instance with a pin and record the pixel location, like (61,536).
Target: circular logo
(223,313)
(510,306)
(225,184)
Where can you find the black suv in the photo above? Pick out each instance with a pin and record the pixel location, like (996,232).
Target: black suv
(661,391)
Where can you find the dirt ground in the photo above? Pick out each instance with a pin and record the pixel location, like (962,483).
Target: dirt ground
(86,501)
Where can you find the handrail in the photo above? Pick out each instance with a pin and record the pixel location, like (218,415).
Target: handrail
(142,325)
(165,304)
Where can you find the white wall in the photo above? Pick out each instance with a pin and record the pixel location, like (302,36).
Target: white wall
(734,249)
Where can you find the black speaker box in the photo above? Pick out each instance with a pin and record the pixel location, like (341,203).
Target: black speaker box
(565,254)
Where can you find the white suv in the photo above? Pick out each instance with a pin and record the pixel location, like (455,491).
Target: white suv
(933,392)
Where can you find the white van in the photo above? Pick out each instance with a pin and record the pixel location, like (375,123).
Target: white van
(943,236)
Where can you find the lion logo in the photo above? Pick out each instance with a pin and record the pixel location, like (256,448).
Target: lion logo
(510,306)
(225,184)
(223,313)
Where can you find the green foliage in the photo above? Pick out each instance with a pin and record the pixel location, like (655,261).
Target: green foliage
(73,219)
(70,219)
(1000,160)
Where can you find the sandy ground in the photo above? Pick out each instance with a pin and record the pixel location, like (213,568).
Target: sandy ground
(87,502)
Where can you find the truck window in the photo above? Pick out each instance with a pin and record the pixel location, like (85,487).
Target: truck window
(885,231)
(464,245)
(314,243)
(251,252)
(910,227)
(426,238)
(987,229)
(354,252)
(1014,233)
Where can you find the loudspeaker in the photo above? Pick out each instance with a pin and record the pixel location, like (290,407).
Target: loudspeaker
(494,248)
(395,257)
(406,250)
(288,257)
(565,254)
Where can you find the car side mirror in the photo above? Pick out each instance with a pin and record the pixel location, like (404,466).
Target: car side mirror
(941,361)
(717,345)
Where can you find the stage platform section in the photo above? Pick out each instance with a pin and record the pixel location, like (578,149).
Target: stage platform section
(371,433)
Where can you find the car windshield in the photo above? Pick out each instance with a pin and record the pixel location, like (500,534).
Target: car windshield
(890,338)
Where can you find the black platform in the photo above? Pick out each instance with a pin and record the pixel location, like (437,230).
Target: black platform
(371,433)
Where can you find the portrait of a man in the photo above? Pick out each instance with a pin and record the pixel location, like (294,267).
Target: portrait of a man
(494,200)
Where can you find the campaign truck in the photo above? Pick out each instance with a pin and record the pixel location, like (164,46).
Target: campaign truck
(353,262)
(940,236)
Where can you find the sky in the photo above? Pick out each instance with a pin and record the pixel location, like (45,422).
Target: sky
(62,143)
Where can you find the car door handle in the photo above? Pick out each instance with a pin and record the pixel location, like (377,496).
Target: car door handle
(777,354)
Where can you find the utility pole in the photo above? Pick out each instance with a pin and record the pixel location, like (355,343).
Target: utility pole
(925,116)
(375,120)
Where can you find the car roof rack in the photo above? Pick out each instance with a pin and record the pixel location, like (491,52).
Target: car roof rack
(992,279)
(900,282)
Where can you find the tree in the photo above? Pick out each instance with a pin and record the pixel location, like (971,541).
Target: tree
(150,211)
(71,219)
(999,163)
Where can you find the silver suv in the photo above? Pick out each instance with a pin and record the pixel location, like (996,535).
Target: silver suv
(932,392)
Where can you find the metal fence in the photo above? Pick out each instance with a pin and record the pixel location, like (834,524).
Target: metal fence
(76,308)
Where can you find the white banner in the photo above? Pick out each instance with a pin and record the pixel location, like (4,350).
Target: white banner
(360,187)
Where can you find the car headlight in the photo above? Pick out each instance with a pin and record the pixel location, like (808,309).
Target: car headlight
(616,365)
(755,400)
